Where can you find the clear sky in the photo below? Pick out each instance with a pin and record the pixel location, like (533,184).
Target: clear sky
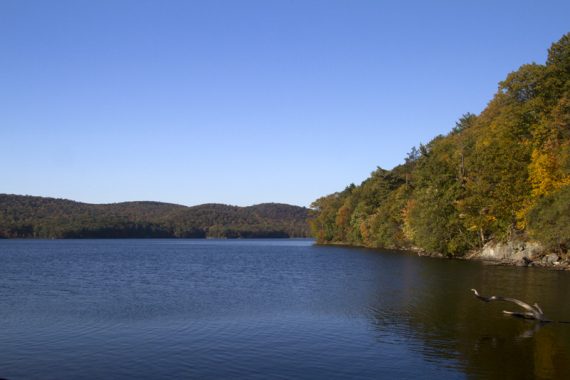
(243,102)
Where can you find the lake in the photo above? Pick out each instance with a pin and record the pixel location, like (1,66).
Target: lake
(268,309)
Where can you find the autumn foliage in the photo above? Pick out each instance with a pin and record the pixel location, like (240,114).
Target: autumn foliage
(499,175)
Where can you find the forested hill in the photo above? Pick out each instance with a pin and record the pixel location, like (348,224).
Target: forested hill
(498,176)
(39,217)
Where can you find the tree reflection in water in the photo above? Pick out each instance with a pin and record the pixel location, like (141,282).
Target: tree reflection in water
(435,315)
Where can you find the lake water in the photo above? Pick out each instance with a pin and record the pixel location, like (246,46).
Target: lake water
(268,309)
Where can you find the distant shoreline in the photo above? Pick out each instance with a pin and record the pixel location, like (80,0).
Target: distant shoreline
(23,216)
(157,238)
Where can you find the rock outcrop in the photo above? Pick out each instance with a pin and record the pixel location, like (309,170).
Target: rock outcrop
(520,253)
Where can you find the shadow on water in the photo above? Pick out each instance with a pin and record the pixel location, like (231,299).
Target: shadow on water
(448,325)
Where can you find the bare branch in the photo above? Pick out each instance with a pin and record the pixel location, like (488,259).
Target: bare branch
(533,312)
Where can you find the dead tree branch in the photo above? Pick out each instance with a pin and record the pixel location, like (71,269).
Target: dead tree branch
(532,312)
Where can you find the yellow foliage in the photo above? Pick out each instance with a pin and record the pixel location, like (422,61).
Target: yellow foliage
(342,216)
(544,173)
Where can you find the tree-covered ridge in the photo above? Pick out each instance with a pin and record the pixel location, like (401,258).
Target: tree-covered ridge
(499,175)
(39,217)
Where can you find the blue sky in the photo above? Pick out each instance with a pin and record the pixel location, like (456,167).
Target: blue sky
(243,102)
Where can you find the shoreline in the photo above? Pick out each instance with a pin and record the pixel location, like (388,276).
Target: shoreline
(517,254)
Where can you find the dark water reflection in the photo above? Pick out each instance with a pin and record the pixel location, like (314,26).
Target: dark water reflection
(268,309)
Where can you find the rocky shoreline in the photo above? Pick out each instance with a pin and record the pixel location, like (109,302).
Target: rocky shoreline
(521,254)
(515,253)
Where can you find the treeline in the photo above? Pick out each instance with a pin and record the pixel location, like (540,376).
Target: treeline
(39,217)
(501,175)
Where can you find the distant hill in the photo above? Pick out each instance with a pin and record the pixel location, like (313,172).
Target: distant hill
(40,217)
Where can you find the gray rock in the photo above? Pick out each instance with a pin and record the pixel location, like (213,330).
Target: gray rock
(514,251)
(521,263)
(550,259)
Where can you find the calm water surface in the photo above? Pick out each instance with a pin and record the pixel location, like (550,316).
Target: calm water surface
(264,309)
